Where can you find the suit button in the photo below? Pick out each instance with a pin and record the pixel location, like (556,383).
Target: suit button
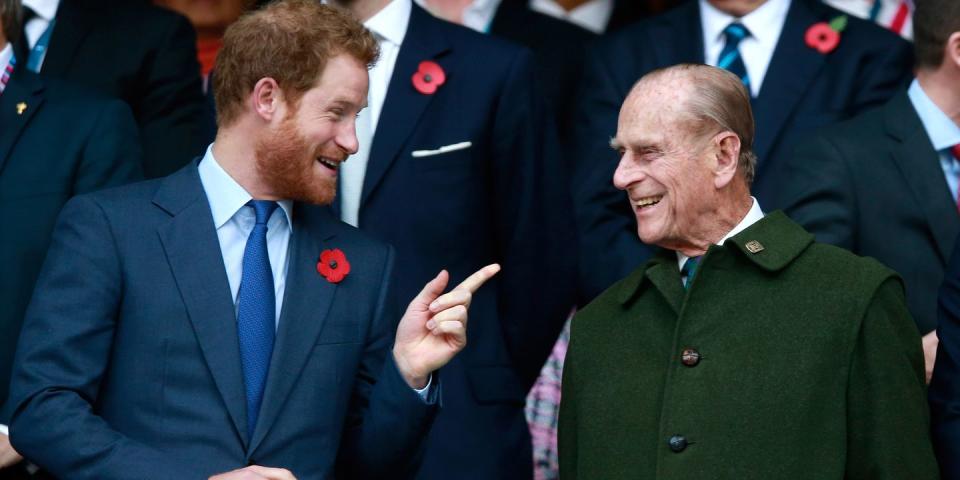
(678,443)
(690,357)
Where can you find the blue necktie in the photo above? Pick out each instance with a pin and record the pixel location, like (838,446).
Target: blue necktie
(730,58)
(257,310)
(689,270)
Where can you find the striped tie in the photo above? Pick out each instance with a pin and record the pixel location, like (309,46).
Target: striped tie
(730,58)
(688,270)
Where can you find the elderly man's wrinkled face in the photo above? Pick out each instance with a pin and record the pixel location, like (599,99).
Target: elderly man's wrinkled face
(662,167)
(300,157)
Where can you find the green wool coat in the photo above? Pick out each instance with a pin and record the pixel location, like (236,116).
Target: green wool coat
(802,362)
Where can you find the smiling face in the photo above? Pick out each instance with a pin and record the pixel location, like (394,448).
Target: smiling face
(299,157)
(664,167)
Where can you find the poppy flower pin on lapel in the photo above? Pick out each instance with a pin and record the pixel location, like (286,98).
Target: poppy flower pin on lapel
(429,77)
(333,265)
(824,37)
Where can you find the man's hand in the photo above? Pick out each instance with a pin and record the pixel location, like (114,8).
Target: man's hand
(434,329)
(8,456)
(930,342)
(255,472)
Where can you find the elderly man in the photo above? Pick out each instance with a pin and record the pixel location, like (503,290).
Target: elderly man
(743,349)
(214,320)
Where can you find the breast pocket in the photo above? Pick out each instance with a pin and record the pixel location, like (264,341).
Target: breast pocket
(448,157)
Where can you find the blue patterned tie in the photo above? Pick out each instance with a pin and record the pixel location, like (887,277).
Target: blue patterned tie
(689,270)
(730,58)
(256,305)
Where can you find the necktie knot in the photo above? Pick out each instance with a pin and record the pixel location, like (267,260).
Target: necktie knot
(734,33)
(689,269)
(263,209)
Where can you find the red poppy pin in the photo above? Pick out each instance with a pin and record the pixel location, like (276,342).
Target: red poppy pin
(333,265)
(429,77)
(824,37)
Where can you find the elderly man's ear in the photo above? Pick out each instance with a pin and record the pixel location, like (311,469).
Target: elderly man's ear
(727,158)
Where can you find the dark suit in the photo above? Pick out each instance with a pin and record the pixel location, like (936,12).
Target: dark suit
(65,142)
(129,364)
(144,55)
(944,393)
(874,186)
(501,200)
(802,90)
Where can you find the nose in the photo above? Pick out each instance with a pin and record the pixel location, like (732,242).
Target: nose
(347,137)
(627,172)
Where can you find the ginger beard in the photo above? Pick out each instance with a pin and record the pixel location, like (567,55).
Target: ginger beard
(289,167)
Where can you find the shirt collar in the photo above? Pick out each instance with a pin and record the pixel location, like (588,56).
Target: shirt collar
(943,132)
(225,195)
(5,54)
(753,216)
(45,9)
(391,22)
(764,23)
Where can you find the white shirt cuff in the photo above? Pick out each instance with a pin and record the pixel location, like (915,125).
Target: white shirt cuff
(423,392)
(6,431)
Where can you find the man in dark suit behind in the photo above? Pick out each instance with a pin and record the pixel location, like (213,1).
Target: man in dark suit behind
(884,184)
(214,320)
(794,88)
(132,50)
(56,141)
(464,161)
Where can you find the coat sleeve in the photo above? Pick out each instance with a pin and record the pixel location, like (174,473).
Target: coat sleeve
(607,232)
(534,230)
(821,194)
(887,421)
(945,385)
(62,355)
(387,422)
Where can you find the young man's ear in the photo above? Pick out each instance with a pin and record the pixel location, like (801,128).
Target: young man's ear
(267,99)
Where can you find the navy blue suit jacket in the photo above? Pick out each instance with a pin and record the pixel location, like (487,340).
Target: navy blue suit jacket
(129,364)
(944,390)
(501,200)
(802,90)
(65,141)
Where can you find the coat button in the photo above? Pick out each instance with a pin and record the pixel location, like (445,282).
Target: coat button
(690,357)
(678,443)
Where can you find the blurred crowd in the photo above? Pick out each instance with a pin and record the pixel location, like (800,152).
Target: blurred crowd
(857,112)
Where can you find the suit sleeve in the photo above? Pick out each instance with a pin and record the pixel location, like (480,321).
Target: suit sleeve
(945,385)
(887,419)
(112,155)
(534,230)
(62,354)
(171,112)
(821,195)
(609,246)
(387,421)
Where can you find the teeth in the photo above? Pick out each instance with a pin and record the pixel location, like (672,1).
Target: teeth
(647,201)
(327,163)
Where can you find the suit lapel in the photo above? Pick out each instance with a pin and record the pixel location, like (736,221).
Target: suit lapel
(662,272)
(792,68)
(24,89)
(74,22)
(404,105)
(920,165)
(193,251)
(306,301)
(679,38)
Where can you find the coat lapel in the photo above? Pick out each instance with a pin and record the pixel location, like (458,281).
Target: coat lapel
(74,22)
(306,301)
(193,251)
(920,166)
(404,105)
(663,274)
(792,68)
(26,89)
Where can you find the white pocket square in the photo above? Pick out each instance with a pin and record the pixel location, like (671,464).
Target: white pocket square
(444,149)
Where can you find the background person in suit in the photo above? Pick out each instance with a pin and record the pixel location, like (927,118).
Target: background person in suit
(465,162)
(132,50)
(794,89)
(600,16)
(944,393)
(183,327)
(884,184)
(56,141)
(743,349)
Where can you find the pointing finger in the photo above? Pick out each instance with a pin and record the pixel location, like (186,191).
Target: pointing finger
(475,281)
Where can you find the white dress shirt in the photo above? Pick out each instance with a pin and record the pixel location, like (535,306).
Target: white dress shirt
(234,221)
(944,133)
(765,24)
(477,16)
(5,55)
(46,11)
(753,216)
(593,15)
(389,26)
